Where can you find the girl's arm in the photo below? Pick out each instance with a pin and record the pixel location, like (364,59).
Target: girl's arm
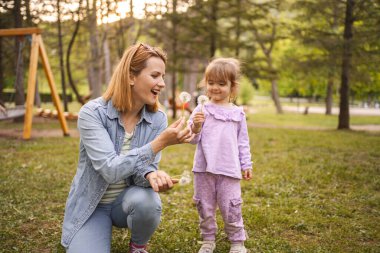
(243,145)
(195,124)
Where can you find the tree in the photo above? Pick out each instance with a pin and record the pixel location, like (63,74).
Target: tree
(174,42)
(19,41)
(94,76)
(344,109)
(317,27)
(61,63)
(165,27)
(69,50)
(266,33)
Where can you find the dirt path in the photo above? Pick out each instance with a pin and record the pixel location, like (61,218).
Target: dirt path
(17,133)
(335,111)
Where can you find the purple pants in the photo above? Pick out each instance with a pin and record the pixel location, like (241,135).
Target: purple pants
(210,191)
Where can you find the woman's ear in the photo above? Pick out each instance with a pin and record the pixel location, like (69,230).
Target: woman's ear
(132,80)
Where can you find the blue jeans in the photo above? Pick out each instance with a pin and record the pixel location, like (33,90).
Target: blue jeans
(136,208)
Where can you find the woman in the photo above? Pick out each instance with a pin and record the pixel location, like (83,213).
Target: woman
(121,136)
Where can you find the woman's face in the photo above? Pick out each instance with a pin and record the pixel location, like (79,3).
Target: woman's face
(149,83)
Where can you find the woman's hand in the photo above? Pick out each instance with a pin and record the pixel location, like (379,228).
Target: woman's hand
(173,134)
(159,180)
(198,120)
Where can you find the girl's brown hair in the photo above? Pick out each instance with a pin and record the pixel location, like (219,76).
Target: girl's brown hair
(224,70)
(131,64)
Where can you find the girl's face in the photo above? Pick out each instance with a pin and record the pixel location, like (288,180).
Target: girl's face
(219,91)
(149,83)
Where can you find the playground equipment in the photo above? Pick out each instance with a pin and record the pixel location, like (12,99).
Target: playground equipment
(11,113)
(37,49)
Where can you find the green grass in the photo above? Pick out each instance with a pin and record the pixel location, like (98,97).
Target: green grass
(289,119)
(313,191)
(265,114)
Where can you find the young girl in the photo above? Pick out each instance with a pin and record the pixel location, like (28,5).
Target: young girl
(222,156)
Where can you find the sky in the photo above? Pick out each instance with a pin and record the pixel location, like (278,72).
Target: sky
(123,9)
(138,9)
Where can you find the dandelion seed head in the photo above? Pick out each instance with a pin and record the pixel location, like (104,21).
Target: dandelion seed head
(202,99)
(185,178)
(184,97)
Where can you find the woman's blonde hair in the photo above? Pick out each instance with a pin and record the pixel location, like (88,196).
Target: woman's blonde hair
(224,70)
(131,64)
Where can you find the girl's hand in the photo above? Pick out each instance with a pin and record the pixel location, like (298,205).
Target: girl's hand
(159,180)
(198,120)
(173,134)
(247,174)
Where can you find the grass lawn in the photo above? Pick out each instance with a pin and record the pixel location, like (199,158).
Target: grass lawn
(266,116)
(313,191)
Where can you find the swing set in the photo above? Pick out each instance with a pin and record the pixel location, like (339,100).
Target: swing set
(37,50)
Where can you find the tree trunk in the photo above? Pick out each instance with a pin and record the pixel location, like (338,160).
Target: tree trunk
(331,74)
(68,54)
(29,21)
(107,61)
(95,80)
(105,46)
(329,94)
(238,28)
(274,84)
(120,40)
(275,96)
(174,57)
(61,64)
(273,73)
(19,82)
(1,72)
(214,21)
(344,112)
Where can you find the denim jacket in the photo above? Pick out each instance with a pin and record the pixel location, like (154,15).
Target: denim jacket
(100,162)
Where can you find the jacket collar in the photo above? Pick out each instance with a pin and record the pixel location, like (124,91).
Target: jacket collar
(112,113)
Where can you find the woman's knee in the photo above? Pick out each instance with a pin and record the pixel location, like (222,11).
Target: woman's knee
(143,201)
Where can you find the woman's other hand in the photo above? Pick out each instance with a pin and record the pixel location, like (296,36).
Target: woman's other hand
(173,134)
(159,180)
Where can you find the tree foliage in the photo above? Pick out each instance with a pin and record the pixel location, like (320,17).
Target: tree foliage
(295,44)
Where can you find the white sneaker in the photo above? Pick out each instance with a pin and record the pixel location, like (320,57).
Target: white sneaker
(238,248)
(207,247)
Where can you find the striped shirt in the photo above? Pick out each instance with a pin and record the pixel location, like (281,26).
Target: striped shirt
(115,189)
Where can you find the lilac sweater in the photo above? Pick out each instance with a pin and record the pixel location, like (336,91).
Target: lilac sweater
(223,143)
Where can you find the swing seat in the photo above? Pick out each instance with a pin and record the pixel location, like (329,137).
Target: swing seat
(11,113)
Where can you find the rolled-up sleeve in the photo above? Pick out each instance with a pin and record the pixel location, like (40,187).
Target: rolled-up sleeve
(101,152)
(139,178)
